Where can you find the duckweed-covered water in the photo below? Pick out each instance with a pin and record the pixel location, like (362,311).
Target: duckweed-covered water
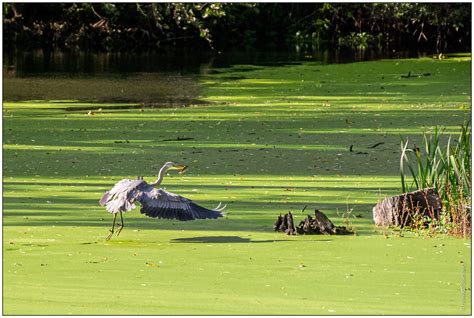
(264,138)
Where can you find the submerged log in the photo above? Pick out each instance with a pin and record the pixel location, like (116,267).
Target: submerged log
(405,209)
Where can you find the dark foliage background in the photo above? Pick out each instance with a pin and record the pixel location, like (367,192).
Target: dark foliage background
(439,27)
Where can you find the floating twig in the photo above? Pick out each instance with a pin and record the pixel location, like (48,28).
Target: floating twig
(178,139)
(376,145)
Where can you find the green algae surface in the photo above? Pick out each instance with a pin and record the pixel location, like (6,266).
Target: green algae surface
(270,140)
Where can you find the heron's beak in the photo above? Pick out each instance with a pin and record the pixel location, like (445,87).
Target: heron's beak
(182,168)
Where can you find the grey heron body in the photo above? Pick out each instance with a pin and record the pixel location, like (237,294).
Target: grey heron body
(155,203)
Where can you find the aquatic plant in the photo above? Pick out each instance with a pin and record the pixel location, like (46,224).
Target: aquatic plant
(448,170)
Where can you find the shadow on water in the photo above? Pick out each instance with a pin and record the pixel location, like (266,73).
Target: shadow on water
(225,239)
(164,103)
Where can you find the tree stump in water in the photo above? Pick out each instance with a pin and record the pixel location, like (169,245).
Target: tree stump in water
(285,224)
(319,225)
(405,209)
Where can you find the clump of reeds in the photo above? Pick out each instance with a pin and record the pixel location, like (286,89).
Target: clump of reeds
(448,170)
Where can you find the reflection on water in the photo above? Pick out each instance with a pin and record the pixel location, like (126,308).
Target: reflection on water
(81,63)
(183,62)
(166,79)
(152,80)
(149,89)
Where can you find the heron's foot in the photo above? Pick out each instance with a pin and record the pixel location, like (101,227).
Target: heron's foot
(121,226)
(110,235)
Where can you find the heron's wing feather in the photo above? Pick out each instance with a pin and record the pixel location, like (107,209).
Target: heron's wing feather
(122,196)
(159,203)
(105,198)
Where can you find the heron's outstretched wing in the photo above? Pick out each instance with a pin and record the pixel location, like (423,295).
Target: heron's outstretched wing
(162,204)
(122,196)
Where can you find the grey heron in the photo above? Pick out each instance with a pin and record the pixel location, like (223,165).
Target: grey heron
(155,202)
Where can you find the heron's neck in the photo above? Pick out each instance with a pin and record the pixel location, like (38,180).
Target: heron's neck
(161,174)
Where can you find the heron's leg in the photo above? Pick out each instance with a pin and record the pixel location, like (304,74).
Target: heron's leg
(112,229)
(120,225)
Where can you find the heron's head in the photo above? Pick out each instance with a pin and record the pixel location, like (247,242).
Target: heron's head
(175,166)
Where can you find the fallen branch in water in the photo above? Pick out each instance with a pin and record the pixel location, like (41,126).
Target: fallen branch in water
(178,139)
(376,145)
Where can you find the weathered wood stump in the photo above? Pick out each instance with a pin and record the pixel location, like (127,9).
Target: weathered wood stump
(320,224)
(285,224)
(405,209)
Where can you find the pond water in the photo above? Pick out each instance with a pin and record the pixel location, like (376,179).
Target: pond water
(153,80)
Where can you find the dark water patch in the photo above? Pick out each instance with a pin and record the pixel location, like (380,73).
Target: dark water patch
(245,69)
(166,103)
(149,78)
(281,63)
(145,88)
(39,62)
(294,57)
(232,78)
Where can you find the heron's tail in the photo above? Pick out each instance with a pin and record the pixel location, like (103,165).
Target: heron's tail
(220,208)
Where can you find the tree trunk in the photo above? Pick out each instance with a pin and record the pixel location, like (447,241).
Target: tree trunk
(408,208)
